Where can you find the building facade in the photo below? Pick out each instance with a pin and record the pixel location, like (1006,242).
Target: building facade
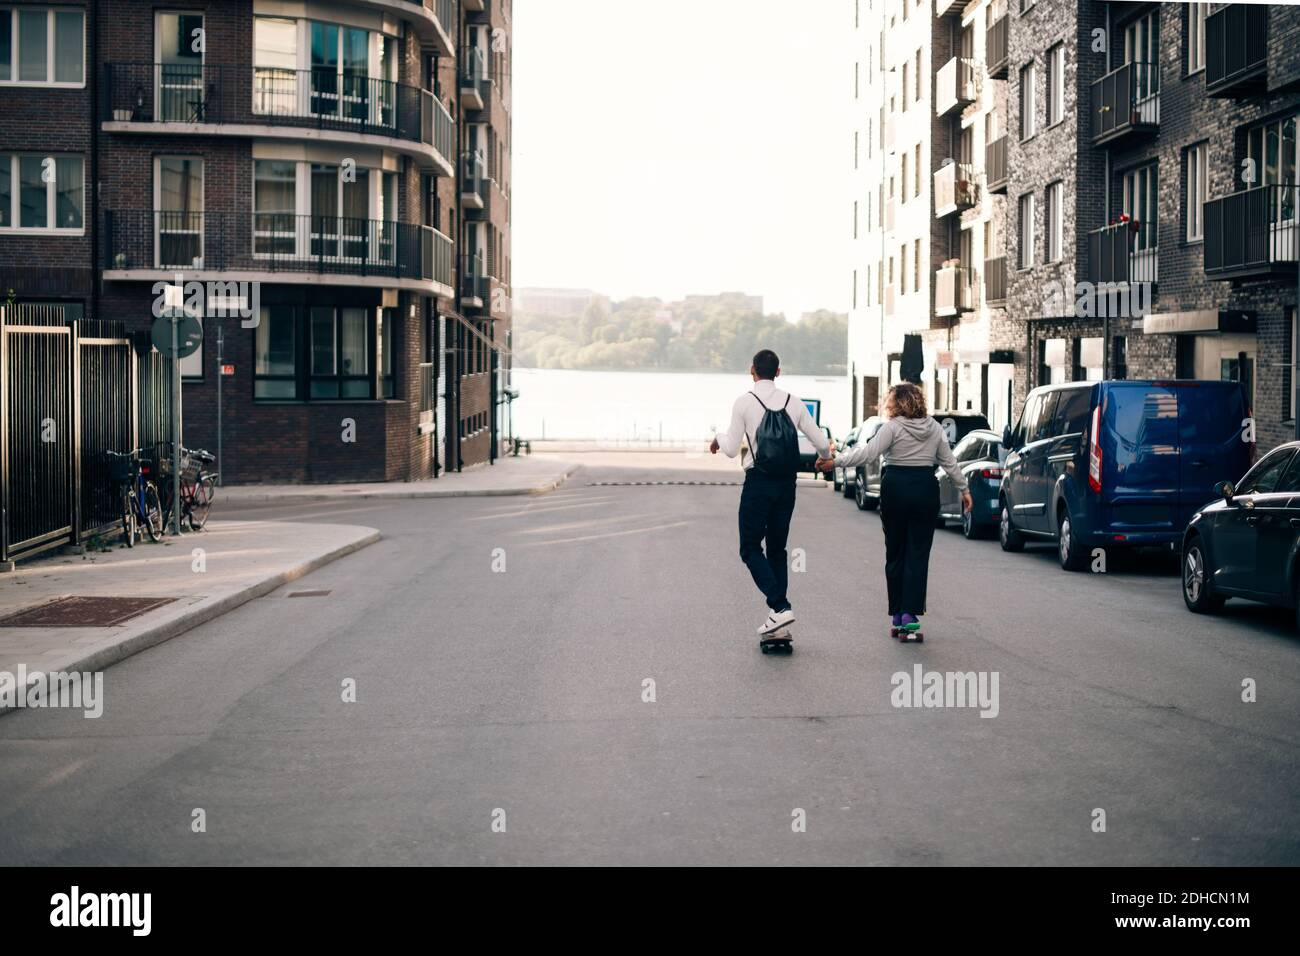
(1131,207)
(328,184)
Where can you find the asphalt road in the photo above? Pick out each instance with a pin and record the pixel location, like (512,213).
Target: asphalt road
(515,696)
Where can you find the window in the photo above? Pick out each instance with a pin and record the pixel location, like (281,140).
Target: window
(42,46)
(1141,200)
(1026,231)
(1142,46)
(916,267)
(275,365)
(179,95)
(918,75)
(902,268)
(339,352)
(855,219)
(905,69)
(1056,84)
(1054,224)
(384,337)
(1272,151)
(1290,482)
(1288,350)
(274,221)
(1073,410)
(1264,477)
(1196,191)
(916,172)
(1196,37)
(1028,101)
(42,193)
(178,188)
(1119,358)
(903,175)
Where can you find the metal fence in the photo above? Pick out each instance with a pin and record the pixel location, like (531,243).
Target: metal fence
(70,391)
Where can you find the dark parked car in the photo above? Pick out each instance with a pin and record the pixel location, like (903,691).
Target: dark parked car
(808,454)
(980,456)
(842,486)
(957,425)
(1118,464)
(1247,543)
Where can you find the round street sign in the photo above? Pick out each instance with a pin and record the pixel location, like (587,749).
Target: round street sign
(189,335)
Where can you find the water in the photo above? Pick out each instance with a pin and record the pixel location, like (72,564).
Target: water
(672,406)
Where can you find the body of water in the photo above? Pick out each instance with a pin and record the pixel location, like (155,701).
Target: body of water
(668,406)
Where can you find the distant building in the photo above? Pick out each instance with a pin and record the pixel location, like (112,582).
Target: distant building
(749,303)
(553,301)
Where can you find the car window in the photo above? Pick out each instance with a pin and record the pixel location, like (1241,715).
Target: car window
(1027,416)
(1264,477)
(966,449)
(1072,410)
(1044,421)
(1291,480)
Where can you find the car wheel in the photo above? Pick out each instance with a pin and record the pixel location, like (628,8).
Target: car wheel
(1069,550)
(1008,536)
(835,481)
(1196,580)
(969,529)
(850,487)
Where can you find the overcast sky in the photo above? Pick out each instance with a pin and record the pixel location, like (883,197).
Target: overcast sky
(666,147)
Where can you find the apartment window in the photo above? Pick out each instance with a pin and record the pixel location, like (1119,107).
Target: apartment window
(902,268)
(1197,191)
(275,226)
(1141,200)
(42,46)
(274,364)
(880,207)
(855,149)
(906,67)
(855,219)
(1272,151)
(855,288)
(1196,13)
(1142,46)
(918,75)
(916,266)
(856,70)
(1026,259)
(903,161)
(916,172)
(1054,224)
(1119,358)
(1056,84)
(1028,101)
(178,197)
(340,352)
(42,193)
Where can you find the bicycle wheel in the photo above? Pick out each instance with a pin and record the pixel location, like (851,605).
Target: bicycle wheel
(201,502)
(128,518)
(153,512)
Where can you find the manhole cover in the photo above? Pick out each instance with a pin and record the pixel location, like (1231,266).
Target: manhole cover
(84,612)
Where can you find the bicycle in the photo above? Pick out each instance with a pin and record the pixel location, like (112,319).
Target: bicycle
(139,495)
(198,487)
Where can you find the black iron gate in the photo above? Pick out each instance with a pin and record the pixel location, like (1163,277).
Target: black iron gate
(70,391)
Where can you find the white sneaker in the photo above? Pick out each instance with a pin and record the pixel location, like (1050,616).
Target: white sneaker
(775,621)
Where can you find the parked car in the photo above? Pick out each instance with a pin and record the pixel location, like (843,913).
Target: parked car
(842,486)
(980,456)
(1118,464)
(1246,543)
(957,425)
(808,454)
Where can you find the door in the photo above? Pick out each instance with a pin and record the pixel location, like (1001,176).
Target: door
(1277,531)
(178,77)
(1018,492)
(1210,420)
(1065,450)
(1256,510)
(178,185)
(1036,468)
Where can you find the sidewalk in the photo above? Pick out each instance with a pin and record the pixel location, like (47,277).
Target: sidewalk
(526,475)
(242,560)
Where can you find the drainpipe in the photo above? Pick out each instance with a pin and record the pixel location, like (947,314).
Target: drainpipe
(94,159)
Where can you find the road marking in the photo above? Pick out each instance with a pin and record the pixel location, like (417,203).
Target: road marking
(539,511)
(612,534)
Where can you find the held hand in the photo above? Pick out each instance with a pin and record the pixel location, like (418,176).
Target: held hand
(825,464)
(834,447)
(967,502)
(713,447)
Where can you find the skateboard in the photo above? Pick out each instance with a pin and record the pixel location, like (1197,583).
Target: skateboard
(778,642)
(903,635)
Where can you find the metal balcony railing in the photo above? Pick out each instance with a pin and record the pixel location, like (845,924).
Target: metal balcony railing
(955,189)
(473,280)
(954,85)
(996,50)
(955,290)
(1125,252)
(203,94)
(475,92)
(995,280)
(1236,50)
(473,182)
(1126,100)
(1252,232)
(274,242)
(995,165)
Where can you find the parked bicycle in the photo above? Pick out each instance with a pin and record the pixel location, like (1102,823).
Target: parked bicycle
(141,506)
(198,486)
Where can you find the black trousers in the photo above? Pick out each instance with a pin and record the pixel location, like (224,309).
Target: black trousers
(909,507)
(766,506)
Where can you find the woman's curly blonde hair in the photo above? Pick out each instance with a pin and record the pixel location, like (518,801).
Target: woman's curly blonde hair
(905,400)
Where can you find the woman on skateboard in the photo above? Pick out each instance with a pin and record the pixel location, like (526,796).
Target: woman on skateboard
(912,444)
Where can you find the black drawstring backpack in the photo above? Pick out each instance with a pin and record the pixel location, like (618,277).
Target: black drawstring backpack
(776,445)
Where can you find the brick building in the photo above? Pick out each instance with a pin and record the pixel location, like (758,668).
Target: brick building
(335,177)
(1148,155)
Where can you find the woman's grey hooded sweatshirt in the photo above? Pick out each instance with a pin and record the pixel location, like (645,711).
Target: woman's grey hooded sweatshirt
(909,442)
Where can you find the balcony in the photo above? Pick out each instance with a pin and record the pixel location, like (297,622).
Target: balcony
(1236,50)
(954,85)
(1126,102)
(434,20)
(955,290)
(473,182)
(946,8)
(955,189)
(475,6)
(1123,253)
(474,89)
(1252,233)
(995,166)
(995,49)
(474,292)
(151,244)
(995,280)
(271,102)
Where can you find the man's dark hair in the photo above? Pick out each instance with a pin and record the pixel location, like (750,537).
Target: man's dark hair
(766,363)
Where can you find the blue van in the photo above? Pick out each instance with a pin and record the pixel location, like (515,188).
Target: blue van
(1118,464)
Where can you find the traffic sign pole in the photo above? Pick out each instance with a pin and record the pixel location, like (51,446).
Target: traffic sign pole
(176,426)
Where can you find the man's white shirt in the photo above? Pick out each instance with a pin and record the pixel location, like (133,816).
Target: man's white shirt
(747,415)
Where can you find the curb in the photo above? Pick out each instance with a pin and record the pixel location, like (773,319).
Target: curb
(201,613)
(308,496)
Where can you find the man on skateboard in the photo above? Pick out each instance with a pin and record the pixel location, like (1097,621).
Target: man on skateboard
(768,418)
